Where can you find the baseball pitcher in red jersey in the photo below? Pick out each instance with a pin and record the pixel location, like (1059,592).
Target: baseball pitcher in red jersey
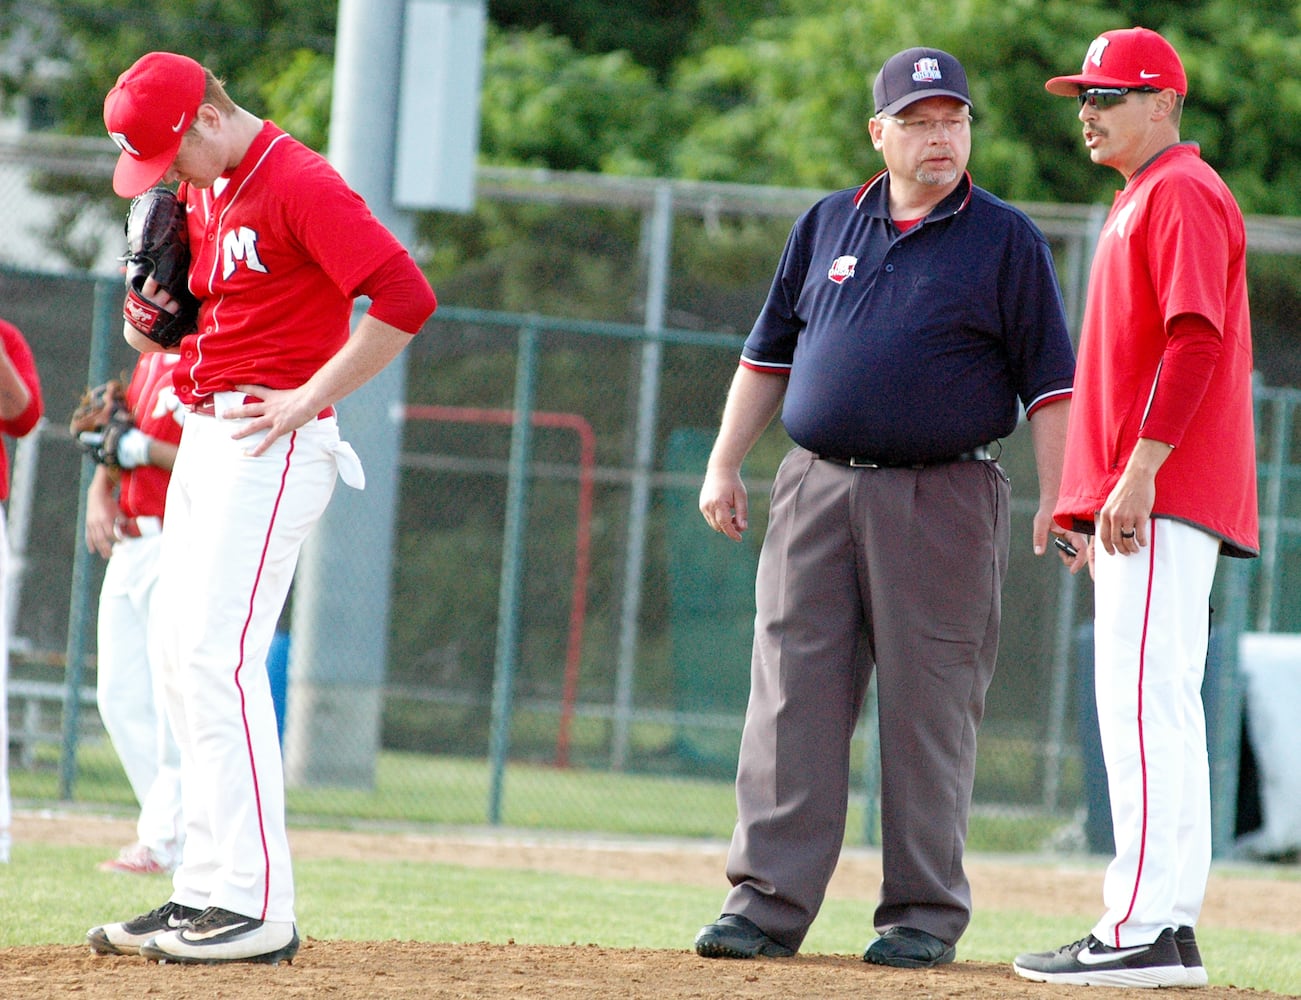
(280,248)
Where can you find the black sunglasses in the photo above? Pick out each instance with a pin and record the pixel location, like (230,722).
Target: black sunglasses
(1109,97)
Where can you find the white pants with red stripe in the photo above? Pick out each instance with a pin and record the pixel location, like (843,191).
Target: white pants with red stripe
(1150,639)
(235,526)
(130,697)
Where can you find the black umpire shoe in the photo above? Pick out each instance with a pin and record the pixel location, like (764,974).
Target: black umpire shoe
(909,948)
(733,936)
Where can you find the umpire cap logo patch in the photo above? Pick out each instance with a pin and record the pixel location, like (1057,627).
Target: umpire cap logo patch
(926,70)
(842,268)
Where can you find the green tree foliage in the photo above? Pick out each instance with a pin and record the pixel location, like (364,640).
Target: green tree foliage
(248,43)
(545,104)
(787,103)
(759,91)
(650,31)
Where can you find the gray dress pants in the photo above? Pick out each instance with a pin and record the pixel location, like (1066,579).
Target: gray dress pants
(897,570)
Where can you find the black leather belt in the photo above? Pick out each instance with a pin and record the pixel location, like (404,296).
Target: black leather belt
(984,453)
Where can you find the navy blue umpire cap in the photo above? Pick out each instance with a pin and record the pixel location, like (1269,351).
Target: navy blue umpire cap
(916,74)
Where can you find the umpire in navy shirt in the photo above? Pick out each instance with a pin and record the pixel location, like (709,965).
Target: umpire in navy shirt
(907,319)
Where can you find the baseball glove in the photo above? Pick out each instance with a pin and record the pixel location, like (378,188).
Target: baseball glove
(157,247)
(102,426)
(98,406)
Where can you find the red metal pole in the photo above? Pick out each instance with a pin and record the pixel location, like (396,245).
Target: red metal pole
(583,534)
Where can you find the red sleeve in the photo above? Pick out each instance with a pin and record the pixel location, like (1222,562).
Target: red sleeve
(400,296)
(20,355)
(1190,358)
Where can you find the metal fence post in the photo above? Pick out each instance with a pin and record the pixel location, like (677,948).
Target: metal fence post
(512,568)
(1223,695)
(660,239)
(108,305)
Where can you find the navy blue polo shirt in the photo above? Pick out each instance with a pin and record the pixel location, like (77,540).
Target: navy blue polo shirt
(917,346)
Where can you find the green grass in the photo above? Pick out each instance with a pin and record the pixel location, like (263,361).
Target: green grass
(59,893)
(419,789)
(52,895)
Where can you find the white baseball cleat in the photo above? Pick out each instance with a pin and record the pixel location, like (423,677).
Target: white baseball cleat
(218,935)
(126,938)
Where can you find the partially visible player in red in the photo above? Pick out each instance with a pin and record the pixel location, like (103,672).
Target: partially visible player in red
(281,247)
(20,410)
(124,523)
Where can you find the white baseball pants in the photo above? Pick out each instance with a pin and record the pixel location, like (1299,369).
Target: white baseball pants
(1150,640)
(235,526)
(130,697)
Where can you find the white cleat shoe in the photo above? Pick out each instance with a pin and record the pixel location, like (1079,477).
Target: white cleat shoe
(218,935)
(127,937)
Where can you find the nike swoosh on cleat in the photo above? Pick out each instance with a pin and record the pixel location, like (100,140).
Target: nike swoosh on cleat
(191,935)
(1087,957)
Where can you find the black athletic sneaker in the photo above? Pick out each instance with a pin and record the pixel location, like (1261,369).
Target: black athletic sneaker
(1191,956)
(127,937)
(1089,962)
(218,935)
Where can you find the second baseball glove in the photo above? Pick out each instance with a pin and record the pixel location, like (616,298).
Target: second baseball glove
(102,427)
(98,407)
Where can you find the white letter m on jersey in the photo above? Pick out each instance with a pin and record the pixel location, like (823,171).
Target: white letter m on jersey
(241,244)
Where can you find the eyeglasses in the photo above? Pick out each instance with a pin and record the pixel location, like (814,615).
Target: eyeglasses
(1108,97)
(925,126)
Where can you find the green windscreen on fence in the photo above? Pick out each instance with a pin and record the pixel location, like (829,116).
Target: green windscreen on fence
(711,600)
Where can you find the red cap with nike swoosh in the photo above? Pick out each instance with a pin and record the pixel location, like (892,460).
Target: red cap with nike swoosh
(148,113)
(1127,57)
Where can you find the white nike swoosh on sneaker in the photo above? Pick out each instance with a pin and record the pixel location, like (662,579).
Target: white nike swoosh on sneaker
(191,935)
(1087,957)
(173,921)
(1144,75)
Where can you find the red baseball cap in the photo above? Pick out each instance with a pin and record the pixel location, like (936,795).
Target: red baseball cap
(1128,57)
(147,113)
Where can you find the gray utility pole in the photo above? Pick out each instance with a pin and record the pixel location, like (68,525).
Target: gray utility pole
(341,602)
(339,640)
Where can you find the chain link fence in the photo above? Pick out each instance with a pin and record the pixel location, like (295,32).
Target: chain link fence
(567,645)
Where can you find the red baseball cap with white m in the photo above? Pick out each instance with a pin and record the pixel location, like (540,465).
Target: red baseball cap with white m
(1128,57)
(147,114)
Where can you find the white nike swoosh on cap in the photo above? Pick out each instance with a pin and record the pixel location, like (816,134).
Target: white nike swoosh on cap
(181,124)
(1144,75)
(1087,957)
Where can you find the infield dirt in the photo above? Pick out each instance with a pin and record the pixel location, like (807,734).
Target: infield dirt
(388,970)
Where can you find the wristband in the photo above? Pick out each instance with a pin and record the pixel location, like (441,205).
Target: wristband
(133,449)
